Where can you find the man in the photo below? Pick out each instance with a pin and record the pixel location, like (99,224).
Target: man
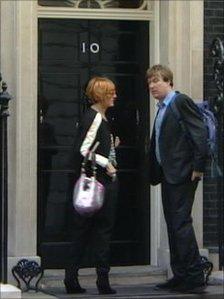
(177,156)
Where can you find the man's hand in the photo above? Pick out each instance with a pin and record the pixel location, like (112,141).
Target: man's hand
(196,175)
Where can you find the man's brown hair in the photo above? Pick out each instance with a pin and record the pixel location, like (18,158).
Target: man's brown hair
(160,70)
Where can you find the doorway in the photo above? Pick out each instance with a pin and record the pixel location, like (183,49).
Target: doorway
(70,52)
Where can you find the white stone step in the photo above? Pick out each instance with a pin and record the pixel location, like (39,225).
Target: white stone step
(118,275)
(9,291)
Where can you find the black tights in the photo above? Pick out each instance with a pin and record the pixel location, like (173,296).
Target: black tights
(98,228)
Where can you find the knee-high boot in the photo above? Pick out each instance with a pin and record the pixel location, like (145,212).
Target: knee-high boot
(103,283)
(71,281)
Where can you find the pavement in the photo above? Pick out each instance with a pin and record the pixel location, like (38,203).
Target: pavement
(130,282)
(140,291)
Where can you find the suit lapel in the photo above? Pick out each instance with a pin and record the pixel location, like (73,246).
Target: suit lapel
(165,118)
(154,125)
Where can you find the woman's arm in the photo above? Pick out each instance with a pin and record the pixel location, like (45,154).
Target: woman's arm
(90,130)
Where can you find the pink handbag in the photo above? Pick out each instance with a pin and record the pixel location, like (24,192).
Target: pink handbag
(88,194)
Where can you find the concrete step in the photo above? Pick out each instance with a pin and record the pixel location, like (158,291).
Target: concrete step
(217,278)
(130,282)
(126,292)
(118,276)
(8,291)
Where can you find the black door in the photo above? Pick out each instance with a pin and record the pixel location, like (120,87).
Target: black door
(70,52)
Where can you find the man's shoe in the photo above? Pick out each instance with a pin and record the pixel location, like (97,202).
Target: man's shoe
(170,284)
(196,288)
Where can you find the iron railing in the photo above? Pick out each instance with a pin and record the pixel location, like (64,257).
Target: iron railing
(4,99)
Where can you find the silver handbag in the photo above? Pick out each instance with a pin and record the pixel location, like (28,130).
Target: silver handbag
(88,194)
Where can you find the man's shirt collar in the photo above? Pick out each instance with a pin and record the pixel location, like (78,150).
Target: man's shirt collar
(167,99)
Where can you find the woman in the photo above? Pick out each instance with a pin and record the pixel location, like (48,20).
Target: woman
(95,127)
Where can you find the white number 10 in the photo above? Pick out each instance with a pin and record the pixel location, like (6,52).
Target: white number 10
(94,48)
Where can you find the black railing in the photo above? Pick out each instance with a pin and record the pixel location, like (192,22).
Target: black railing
(4,99)
(217,51)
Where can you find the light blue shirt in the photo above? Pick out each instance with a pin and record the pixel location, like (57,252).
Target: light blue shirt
(162,105)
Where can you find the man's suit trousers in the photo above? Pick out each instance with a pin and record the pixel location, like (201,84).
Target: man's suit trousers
(184,254)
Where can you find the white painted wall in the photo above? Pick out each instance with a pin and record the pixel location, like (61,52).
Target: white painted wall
(176,39)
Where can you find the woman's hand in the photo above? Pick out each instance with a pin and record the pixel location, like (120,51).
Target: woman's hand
(111,170)
(196,175)
(117,141)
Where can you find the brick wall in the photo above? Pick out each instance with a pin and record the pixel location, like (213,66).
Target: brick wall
(213,27)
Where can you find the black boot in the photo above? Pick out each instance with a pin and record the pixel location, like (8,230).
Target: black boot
(103,283)
(71,282)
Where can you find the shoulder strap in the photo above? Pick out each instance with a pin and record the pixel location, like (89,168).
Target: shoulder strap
(90,155)
(177,114)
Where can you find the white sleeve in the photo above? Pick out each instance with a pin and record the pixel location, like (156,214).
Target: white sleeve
(89,139)
(101,160)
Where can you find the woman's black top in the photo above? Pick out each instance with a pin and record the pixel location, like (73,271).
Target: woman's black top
(94,128)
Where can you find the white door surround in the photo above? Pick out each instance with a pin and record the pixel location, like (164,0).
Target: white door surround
(176,39)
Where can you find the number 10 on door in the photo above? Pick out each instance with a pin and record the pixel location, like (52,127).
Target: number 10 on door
(93,47)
